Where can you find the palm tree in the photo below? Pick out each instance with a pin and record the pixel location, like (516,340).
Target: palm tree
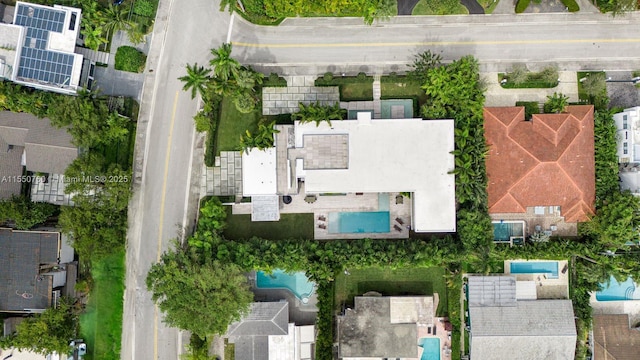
(556,103)
(93,36)
(223,87)
(115,18)
(196,79)
(224,66)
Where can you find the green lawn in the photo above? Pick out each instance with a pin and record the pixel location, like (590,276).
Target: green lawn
(233,124)
(583,74)
(356,91)
(435,7)
(389,282)
(101,323)
(533,82)
(290,226)
(403,89)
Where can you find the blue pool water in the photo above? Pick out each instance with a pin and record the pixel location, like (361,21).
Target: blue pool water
(430,348)
(503,231)
(359,222)
(297,282)
(550,268)
(615,290)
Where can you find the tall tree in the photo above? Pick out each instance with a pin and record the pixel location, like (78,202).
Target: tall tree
(196,79)
(224,66)
(93,36)
(115,18)
(203,298)
(422,64)
(49,332)
(379,10)
(24,213)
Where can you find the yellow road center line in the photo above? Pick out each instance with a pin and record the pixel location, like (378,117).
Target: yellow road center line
(161,220)
(440,43)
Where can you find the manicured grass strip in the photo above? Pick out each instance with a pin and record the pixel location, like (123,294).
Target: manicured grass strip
(290,226)
(356,92)
(533,82)
(435,7)
(390,282)
(400,88)
(234,124)
(101,323)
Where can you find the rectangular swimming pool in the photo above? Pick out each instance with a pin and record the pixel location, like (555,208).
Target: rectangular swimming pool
(549,268)
(430,348)
(505,231)
(359,222)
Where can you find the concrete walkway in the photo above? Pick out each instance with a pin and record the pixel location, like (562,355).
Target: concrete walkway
(376,97)
(495,95)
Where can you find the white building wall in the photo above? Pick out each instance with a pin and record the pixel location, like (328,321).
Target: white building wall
(628,133)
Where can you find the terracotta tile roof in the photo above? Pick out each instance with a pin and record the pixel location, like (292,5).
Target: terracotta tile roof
(548,161)
(613,338)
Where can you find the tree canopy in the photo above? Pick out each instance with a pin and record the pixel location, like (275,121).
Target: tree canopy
(24,213)
(46,333)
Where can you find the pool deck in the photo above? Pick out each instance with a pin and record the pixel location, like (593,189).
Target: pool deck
(551,217)
(629,307)
(323,205)
(546,288)
(441,333)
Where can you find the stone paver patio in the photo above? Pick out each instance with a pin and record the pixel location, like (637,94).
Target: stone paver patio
(300,89)
(225,178)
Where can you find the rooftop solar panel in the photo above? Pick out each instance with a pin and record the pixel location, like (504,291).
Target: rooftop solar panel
(36,62)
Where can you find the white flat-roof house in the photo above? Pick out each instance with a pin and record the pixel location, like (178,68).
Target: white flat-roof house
(38,48)
(628,136)
(361,156)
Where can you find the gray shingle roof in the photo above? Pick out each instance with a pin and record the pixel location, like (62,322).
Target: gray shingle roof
(492,290)
(531,330)
(367,331)
(48,149)
(22,254)
(251,335)
(265,318)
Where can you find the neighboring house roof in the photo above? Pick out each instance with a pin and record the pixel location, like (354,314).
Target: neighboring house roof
(45,47)
(531,330)
(251,334)
(628,129)
(491,290)
(548,161)
(613,338)
(47,149)
(22,289)
(383,327)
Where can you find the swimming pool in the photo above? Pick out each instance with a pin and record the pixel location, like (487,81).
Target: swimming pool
(430,348)
(507,231)
(359,222)
(297,283)
(549,268)
(616,291)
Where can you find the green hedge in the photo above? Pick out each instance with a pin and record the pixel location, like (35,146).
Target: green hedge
(130,59)
(571,5)
(530,108)
(273,80)
(329,79)
(522,5)
(212,134)
(145,8)
(324,322)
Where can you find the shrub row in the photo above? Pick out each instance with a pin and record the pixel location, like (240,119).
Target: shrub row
(328,79)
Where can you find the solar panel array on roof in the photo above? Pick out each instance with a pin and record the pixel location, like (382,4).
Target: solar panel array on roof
(36,62)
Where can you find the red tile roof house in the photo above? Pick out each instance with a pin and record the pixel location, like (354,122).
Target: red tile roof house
(542,170)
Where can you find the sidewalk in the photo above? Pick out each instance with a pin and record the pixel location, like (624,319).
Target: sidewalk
(495,95)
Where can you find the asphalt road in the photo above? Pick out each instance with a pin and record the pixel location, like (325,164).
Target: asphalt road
(185,33)
(158,208)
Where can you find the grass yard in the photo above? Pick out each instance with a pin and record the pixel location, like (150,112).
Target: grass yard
(403,89)
(291,226)
(234,124)
(389,282)
(101,323)
(356,91)
(121,152)
(533,82)
(435,7)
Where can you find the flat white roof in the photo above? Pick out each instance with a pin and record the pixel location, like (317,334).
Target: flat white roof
(259,172)
(399,155)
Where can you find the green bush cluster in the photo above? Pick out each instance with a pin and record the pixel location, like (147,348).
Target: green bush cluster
(522,5)
(274,80)
(145,8)
(329,79)
(23,213)
(530,108)
(130,59)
